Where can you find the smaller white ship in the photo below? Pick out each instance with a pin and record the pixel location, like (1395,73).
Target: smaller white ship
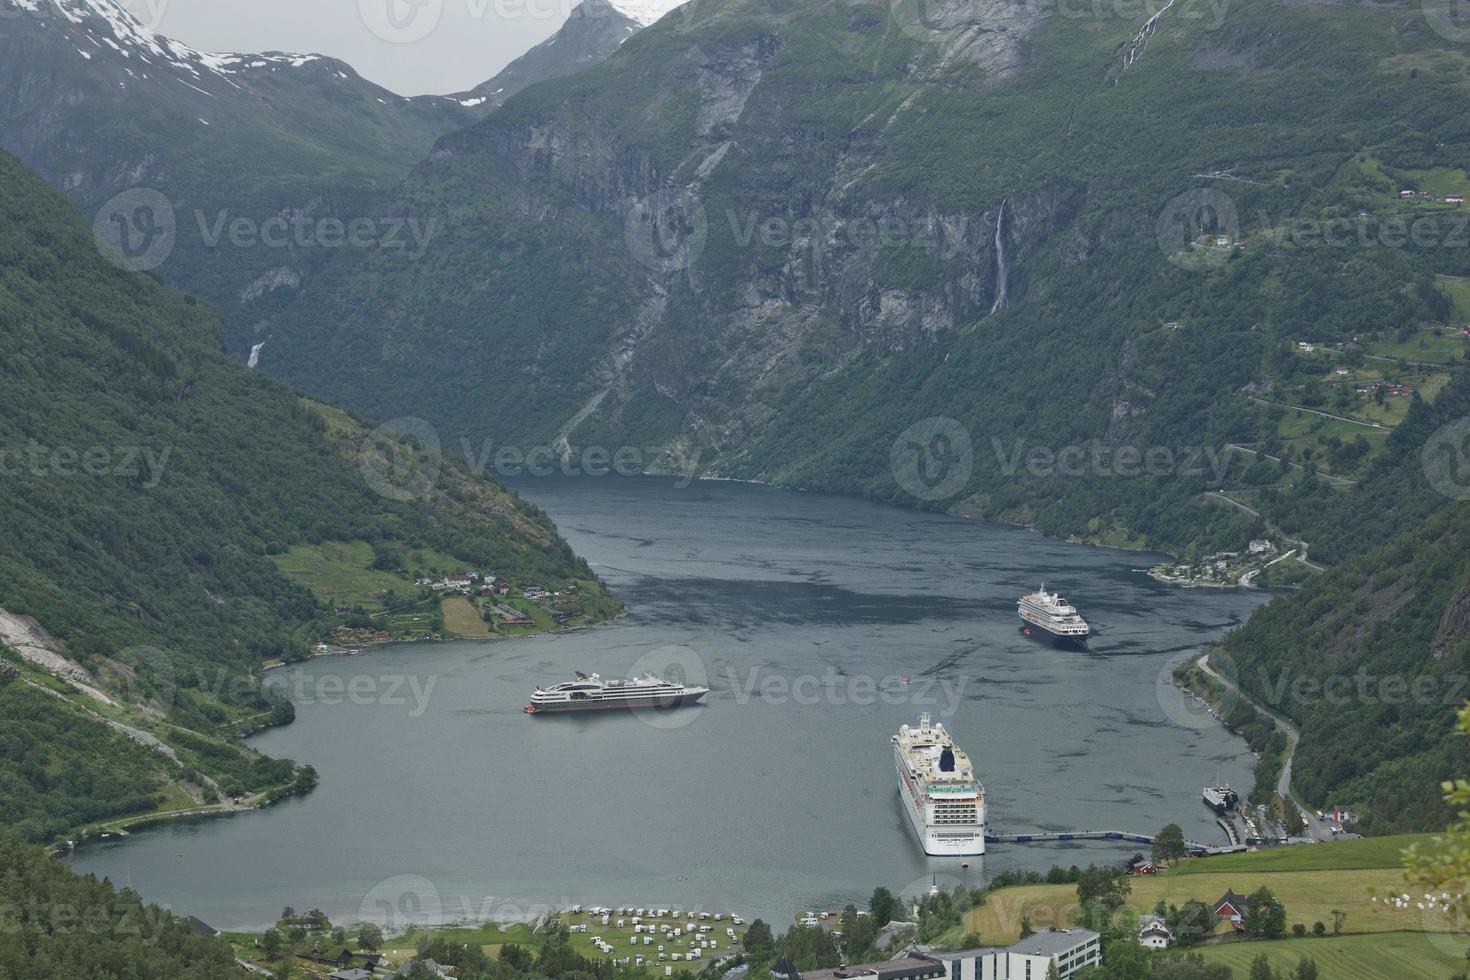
(589,692)
(1220,797)
(944,800)
(1048,615)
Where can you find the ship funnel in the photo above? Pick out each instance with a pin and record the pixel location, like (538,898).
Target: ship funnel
(946,760)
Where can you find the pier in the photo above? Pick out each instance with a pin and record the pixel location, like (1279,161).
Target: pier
(1047,837)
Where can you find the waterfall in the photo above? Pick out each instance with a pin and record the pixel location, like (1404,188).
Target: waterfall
(1002,274)
(1140,40)
(255,355)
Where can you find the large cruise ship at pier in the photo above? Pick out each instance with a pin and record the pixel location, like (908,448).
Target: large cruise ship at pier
(944,800)
(1049,615)
(589,692)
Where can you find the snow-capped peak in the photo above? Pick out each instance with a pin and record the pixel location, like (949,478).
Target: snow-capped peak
(645,12)
(130,26)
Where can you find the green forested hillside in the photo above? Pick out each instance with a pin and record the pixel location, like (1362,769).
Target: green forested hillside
(1372,660)
(206,142)
(58,924)
(148,480)
(773,236)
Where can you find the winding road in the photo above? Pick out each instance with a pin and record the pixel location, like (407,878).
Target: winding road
(1317,830)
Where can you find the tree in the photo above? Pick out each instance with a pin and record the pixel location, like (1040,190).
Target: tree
(270,943)
(287,914)
(758,937)
(370,935)
(1189,967)
(1265,917)
(516,957)
(1101,884)
(1051,971)
(1190,923)
(1306,970)
(1169,845)
(1261,968)
(1338,918)
(1318,929)
(882,906)
(1124,959)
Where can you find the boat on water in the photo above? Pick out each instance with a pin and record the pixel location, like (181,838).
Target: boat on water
(1220,797)
(1049,616)
(589,692)
(943,799)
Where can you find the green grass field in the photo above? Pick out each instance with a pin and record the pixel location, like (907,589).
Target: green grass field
(341,573)
(1347,855)
(1310,880)
(1381,956)
(1440,181)
(1458,290)
(1426,346)
(461,618)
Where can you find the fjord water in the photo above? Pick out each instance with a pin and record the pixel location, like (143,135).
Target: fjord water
(440,799)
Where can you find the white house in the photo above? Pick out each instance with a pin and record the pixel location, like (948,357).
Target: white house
(1153,933)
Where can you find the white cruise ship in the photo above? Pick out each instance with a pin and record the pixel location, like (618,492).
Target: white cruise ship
(1050,616)
(944,800)
(589,692)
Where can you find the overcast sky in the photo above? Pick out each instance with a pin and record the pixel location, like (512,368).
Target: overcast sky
(412,47)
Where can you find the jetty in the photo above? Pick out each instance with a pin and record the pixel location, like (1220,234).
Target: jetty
(1046,837)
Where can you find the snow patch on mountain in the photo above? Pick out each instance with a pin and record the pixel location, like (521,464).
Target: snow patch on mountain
(645,12)
(113,22)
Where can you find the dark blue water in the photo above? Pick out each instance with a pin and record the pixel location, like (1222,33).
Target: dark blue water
(440,799)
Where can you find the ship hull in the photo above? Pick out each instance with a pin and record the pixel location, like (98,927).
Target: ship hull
(951,841)
(660,702)
(1073,641)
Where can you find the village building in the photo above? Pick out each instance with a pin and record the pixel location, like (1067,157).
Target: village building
(1233,908)
(1069,950)
(1153,933)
